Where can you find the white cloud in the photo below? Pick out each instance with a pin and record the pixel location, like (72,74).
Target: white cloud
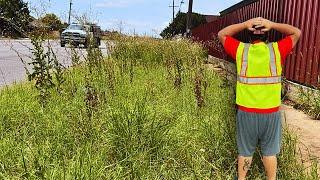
(132,26)
(126,25)
(108,4)
(117,3)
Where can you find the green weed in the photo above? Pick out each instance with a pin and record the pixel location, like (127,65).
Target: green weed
(122,117)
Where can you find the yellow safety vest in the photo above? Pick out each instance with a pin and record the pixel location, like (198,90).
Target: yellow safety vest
(259,75)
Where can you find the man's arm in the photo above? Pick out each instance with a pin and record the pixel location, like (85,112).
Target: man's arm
(236,28)
(289,30)
(230,31)
(286,29)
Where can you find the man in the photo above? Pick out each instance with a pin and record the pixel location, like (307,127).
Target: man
(259,69)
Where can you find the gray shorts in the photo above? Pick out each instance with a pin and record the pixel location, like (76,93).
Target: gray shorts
(258,129)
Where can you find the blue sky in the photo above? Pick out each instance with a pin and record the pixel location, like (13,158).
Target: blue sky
(141,16)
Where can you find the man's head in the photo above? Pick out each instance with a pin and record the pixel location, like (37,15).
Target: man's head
(258,34)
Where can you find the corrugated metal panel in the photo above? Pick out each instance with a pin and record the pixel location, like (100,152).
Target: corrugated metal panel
(303,64)
(237,6)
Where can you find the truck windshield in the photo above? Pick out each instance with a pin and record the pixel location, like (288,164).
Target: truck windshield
(76,27)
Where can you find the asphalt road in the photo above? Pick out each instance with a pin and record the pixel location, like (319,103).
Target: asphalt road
(13,70)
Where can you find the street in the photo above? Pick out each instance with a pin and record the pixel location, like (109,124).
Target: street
(11,67)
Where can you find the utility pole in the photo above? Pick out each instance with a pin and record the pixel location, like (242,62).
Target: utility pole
(189,18)
(70,12)
(173,13)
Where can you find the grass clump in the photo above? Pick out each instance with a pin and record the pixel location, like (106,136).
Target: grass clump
(126,117)
(309,102)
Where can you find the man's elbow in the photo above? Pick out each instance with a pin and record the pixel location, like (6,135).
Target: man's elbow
(220,35)
(298,34)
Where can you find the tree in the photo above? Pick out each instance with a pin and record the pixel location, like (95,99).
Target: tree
(14,18)
(178,26)
(52,22)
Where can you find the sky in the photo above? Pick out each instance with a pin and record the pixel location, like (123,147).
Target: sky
(148,17)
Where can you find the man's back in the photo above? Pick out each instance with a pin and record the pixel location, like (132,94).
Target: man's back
(259,69)
(258,66)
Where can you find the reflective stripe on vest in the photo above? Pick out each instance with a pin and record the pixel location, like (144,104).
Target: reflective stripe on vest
(259,80)
(273,79)
(273,66)
(244,65)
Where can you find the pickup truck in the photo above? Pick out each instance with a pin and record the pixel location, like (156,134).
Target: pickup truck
(77,34)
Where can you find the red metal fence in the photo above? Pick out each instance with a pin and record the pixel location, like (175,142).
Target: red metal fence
(302,65)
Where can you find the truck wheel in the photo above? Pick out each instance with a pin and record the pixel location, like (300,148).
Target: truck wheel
(62,45)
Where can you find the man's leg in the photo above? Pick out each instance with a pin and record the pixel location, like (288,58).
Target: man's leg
(271,143)
(244,164)
(270,165)
(247,139)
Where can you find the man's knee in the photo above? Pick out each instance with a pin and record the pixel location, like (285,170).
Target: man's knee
(270,164)
(270,158)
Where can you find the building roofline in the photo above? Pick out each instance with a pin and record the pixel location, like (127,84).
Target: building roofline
(237,6)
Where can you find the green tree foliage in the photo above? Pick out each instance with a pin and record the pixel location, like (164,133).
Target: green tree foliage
(14,17)
(52,21)
(178,26)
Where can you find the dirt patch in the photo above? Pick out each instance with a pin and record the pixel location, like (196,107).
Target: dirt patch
(307,130)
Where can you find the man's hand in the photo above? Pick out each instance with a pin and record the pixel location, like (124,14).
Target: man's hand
(253,22)
(236,28)
(266,24)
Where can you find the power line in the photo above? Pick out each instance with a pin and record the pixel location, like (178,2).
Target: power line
(173,6)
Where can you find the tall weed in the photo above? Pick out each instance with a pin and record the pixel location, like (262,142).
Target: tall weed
(122,117)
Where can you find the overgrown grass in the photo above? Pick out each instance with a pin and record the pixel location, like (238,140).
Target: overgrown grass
(149,111)
(309,102)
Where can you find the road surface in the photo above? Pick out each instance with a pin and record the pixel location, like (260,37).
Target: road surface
(13,70)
